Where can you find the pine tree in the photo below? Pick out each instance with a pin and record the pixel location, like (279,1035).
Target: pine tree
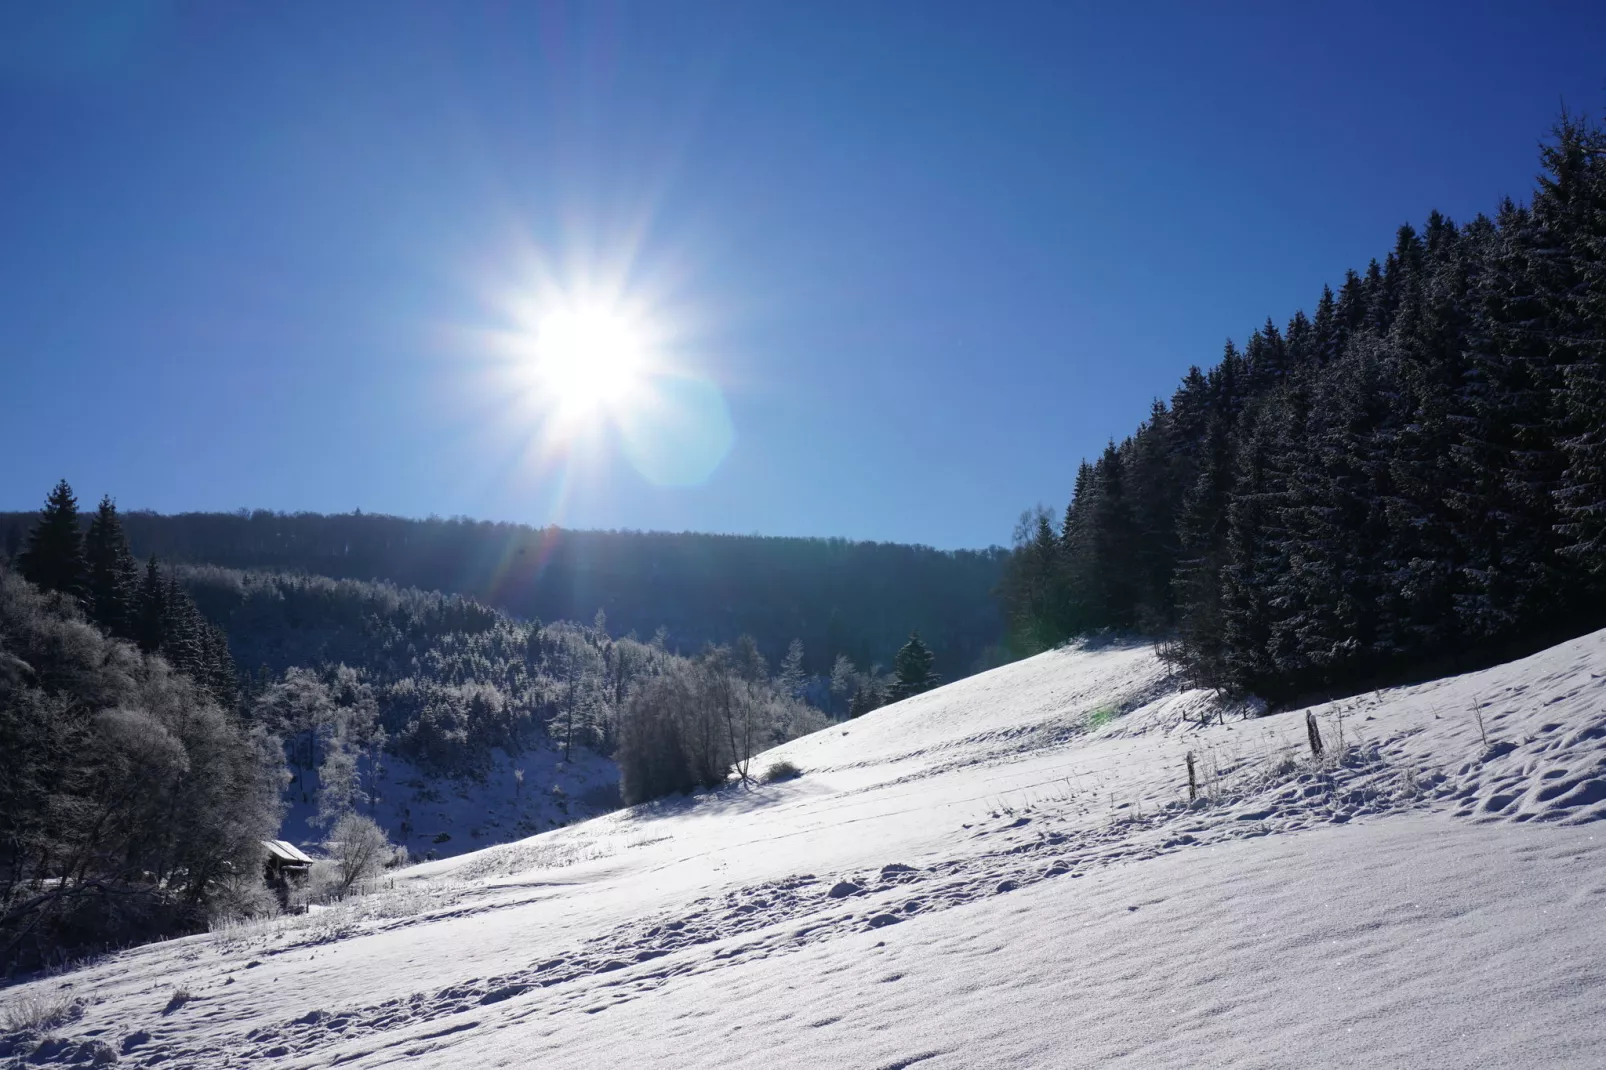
(54,556)
(1068,588)
(1202,531)
(843,689)
(183,634)
(913,668)
(13,543)
(1578,160)
(112,576)
(790,680)
(1246,618)
(150,610)
(1155,496)
(1509,461)
(1114,585)
(1035,601)
(1423,558)
(218,673)
(749,663)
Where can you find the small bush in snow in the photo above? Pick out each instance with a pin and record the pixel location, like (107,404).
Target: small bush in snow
(781,770)
(39,1013)
(240,897)
(1100,717)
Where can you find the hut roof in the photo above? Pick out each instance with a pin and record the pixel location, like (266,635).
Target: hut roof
(285,851)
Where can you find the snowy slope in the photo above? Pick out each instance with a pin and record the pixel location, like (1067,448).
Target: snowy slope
(441,816)
(1006,872)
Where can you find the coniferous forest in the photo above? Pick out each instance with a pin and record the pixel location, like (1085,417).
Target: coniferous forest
(143,768)
(1410,477)
(839,597)
(132,794)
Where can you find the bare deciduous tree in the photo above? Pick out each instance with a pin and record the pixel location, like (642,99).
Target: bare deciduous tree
(359,850)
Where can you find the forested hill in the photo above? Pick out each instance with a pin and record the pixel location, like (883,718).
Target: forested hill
(861,599)
(1411,475)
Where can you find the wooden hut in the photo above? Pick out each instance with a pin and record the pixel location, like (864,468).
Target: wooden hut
(286,867)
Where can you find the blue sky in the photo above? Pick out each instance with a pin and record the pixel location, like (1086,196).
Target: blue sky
(914,260)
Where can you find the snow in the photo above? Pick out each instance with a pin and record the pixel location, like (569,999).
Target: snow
(1005,872)
(440,816)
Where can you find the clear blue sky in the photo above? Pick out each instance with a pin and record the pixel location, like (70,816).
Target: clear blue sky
(929,254)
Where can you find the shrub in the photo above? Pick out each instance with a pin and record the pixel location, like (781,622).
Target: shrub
(239,897)
(358,851)
(781,770)
(695,722)
(39,1012)
(652,760)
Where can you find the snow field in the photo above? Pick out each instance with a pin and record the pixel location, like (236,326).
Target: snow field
(1003,872)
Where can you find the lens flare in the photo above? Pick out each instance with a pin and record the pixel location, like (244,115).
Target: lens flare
(586,368)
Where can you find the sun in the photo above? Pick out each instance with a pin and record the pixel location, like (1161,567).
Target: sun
(587,361)
(581,368)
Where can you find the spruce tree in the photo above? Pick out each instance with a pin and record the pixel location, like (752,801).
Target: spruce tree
(1154,494)
(1202,532)
(1250,564)
(112,575)
(1510,463)
(1075,607)
(183,641)
(150,610)
(1032,587)
(54,556)
(790,680)
(1114,570)
(219,675)
(913,668)
(1577,162)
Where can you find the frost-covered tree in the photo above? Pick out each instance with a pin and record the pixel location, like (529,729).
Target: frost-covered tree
(843,684)
(358,850)
(792,677)
(128,795)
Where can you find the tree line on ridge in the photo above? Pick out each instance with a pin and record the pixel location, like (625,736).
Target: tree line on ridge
(1414,475)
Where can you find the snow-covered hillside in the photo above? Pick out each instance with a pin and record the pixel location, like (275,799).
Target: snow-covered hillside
(1006,872)
(517,795)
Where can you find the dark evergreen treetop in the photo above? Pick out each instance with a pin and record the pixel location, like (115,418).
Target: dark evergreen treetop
(111,576)
(54,556)
(913,669)
(98,570)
